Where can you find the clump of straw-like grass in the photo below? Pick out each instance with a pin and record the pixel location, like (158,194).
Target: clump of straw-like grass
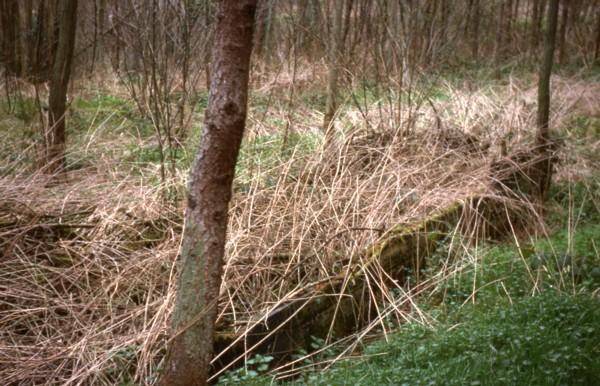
(88,265)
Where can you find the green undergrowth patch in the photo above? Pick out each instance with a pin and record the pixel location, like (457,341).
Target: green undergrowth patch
(580,131)
(552,338)
(575,204)
(19,131)
(201,100)
(513,314)
(567,261)
(313,98)
(101,107)
(388,96)
(104,102)
(22,108)
(110,114)
(586,71)
(262,157)
(153,154)
(485,71)
(549,339)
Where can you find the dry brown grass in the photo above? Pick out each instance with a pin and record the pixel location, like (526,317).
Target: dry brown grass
(87,266)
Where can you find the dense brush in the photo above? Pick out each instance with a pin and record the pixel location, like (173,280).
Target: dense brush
(87,266)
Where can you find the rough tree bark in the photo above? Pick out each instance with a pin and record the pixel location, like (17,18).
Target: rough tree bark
(189,354)
(544,142)
(59,83)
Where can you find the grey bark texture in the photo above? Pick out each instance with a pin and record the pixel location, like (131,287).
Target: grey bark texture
(203,247)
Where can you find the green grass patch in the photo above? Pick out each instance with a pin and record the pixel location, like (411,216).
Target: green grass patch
(582,128)
(261,155)
(119,115)
(22,108)
(550,339)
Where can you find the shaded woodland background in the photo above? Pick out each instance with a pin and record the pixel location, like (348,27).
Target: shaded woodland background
(368,121)
(160,50)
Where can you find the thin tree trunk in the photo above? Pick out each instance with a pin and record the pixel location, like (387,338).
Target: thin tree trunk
(335,46)
(444,16)
(262,13)
(95,38)
(52,28)
(509,23)
(211,178)
(187,20)
(102,29)
(25,15)
(597,43)
(562,33)
(9,36)
(59,82)
(543,113)
(268,31)
(117,43)
(475,32)
(498,49)
(468,17)
(534,26)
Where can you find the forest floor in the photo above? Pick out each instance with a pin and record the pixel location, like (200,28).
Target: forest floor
(87,266)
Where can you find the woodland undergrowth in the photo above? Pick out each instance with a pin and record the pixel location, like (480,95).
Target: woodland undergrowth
(87,266)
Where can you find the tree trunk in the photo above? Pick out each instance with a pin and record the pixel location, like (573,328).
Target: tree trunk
(597,43)
(25,15)
(9,36)
(500,31)
(59,83)
(538,15)
(95,38)
(186,21)
(262,14)
(116,57)
(543,113)
(509,24)
(475,32)
(334,49)
(101,29)
(562,33)
(211,177)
